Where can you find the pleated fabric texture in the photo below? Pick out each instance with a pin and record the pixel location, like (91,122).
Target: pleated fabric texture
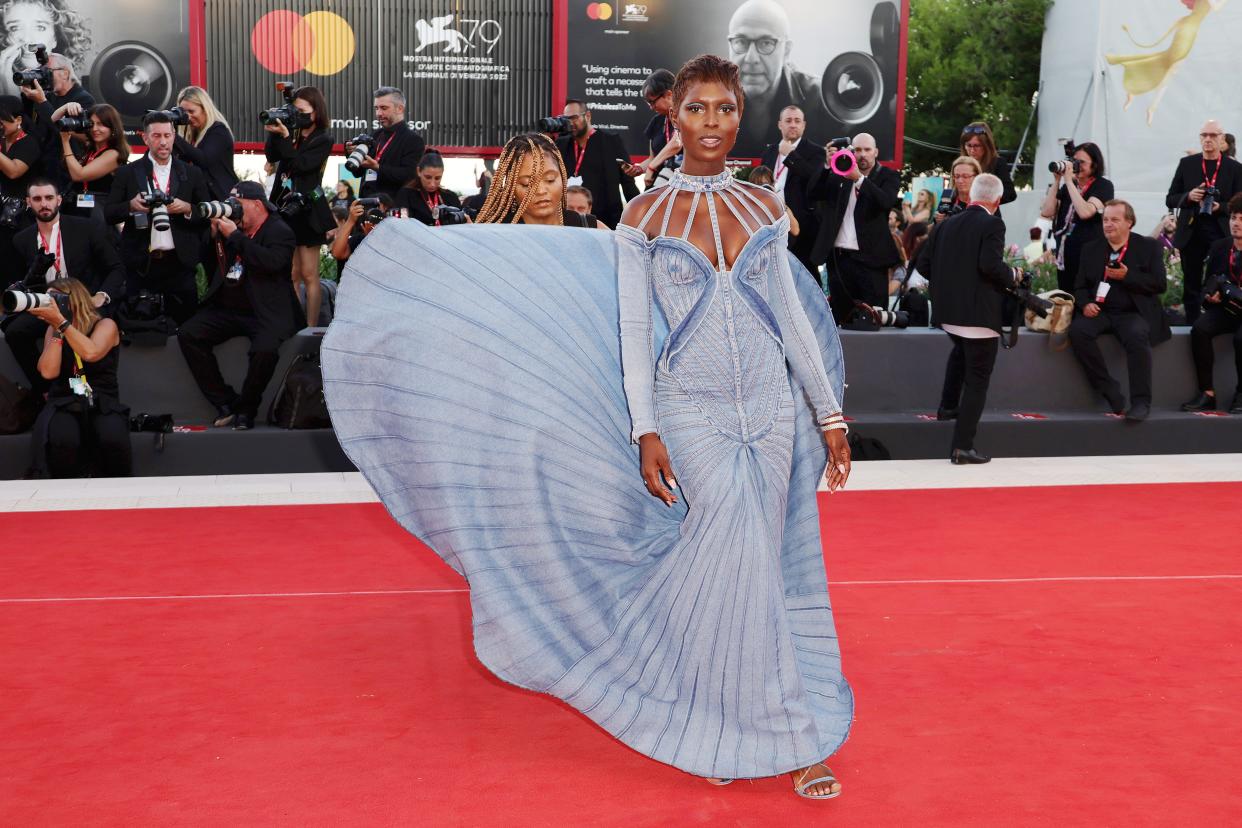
(473,375)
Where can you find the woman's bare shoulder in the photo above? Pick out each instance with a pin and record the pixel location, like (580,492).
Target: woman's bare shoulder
(638,207)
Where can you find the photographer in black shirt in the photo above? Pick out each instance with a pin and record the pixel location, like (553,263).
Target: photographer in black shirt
(1222,313)
(20,161)
(363,216)
(1203,184)
(1075,204)
(395,148)
(206,141)
(91,163)
(40,108)
(422,198)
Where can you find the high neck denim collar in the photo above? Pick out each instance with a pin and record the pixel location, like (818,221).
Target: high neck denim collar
(701,183)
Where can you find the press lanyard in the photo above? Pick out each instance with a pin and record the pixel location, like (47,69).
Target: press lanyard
(432,203)
(1121,255)
(167,178)
(379,153)
(91,158)
(780,169)
(54,240)
(1211,183)
(579,156)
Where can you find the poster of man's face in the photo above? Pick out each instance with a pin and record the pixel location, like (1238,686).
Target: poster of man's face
(134,55)
(835,59)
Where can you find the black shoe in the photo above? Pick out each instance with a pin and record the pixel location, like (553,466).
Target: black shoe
(224,416)
(946,413)
(1202,402)
(1138,412)
(1116,402)
(965,457)
(243,422)
(1235,407)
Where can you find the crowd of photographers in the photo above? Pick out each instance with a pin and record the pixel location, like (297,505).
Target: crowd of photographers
(81,224)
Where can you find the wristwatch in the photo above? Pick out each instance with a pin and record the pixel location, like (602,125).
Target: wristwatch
(62,327)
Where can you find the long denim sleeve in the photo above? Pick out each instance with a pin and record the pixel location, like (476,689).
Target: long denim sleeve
(801,347)
(637,349)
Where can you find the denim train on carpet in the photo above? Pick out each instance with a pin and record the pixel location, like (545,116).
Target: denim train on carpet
(473,375)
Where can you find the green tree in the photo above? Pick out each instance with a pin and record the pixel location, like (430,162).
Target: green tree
(970,60)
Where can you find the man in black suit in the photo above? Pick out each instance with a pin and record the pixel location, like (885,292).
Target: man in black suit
(853,239)
(1118,286)
(250,295)
(83,251)
(159,261)
(794,162)
(1222,315)
(598,161)
(964,260)
(1196,232)
(395,147)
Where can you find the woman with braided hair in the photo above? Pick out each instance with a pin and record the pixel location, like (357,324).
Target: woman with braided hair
(508,391)
(529,186)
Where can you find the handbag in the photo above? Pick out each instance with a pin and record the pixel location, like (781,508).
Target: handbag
(1056,324)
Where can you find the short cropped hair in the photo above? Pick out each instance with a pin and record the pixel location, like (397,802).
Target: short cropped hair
(1127,209)
(41,181)
(579,102)
(1235,204)
(390,92)
(708,69)
(987,188)
(658,82)
(580,190)
(155,116)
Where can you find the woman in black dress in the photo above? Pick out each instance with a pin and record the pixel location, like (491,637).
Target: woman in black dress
(422,196)
(1075,203)
(91,163)
(300,152)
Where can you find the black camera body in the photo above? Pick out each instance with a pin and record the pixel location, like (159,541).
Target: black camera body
(289,115)
(1026,298)
(230,208)
(155,198)
(157,202)
(41,74)
(447,214)
(177,115)
(1230,293)
(11,211)
(1069,163)
(362,149)
(293,204)
(1211,195)
(70,124)
(840,143)
(555,125)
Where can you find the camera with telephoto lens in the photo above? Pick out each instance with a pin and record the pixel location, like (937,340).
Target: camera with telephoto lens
(11,211)
(157,202)
(1069,162)
(1021,291)
(177,115)
(41,74)
(447,214)
(555,124)
(16,300)
(71,124)
(230,208)
(1210,196)
(362,149)
(873,317)
(1230,293)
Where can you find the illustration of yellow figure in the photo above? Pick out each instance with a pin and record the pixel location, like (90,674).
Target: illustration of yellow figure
(1143,73)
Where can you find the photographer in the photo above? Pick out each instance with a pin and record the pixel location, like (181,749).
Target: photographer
(83,428)
(598,161)
(161,241)
(955,198)
(1075,204)
(1202,185)
(40,108)
(1222,314)
(364,214)
(422,197)
(19,163)
(79,249)
(853,238)
(250,295)
(978,143)
(1118,285)
(395,149)
(301,151)
(964,261)
(91,166)
(205,141)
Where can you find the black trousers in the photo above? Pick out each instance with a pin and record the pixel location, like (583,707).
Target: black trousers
(849,280)
(1134,334)
(24,335)
(966,380)
(167,275)
(1193,254)
(73,439)
(210,327)
(1214,322)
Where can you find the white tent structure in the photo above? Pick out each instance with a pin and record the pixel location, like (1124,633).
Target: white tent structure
(1091,62)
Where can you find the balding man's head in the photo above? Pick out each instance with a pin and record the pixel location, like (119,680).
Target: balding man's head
(1212,138)
(759,45)
(865,151)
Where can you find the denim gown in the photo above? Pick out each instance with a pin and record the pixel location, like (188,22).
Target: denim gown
(474,376)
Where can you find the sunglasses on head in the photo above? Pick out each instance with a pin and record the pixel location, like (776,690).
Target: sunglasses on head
(975,130)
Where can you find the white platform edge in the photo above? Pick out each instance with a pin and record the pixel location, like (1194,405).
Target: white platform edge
(896,475)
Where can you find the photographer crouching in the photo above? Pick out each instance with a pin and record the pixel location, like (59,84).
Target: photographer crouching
(363,216)
(83,429)
(964,260)
(57,247)
(387,158)
(250,295)
(1222,314)
(161,242)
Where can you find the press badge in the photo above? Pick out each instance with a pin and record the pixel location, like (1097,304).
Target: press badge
(234,272)
(79,386)
(371,175)
(575,181)
(86,201)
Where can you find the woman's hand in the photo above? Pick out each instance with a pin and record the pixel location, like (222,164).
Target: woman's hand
(48,313)
(654,458)
(838,459)
(277,128)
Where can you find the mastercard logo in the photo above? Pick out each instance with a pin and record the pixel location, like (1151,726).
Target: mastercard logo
(321,42)
(599,11)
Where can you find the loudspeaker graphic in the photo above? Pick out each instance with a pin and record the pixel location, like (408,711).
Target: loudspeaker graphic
(134,77)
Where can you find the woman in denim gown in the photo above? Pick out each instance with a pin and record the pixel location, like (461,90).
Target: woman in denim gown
(474,375)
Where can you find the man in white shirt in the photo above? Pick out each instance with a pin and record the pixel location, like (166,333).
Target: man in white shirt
(794,161)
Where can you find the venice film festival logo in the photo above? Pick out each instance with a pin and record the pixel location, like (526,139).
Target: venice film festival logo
(321,43)
(455,40)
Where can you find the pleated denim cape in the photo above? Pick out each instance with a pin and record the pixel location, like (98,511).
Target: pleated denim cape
(473,375)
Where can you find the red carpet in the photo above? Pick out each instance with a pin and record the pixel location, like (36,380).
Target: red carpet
(1079,702)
